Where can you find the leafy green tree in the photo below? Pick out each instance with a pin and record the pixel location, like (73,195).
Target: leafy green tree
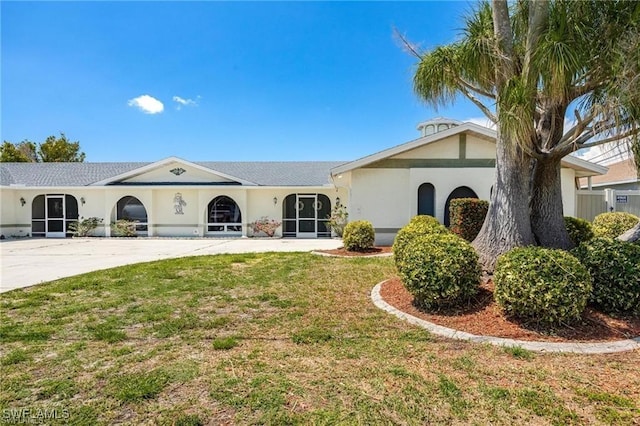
(23,152)
(528,65)
(52,150)
(60,150)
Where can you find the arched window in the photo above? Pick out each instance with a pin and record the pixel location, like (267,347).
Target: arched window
(223,215)
(131,209)
(427,199)
(459,192)
(52,214)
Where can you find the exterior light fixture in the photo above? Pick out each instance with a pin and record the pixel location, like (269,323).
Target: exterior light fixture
(22,201)
(275,200)
(82,201)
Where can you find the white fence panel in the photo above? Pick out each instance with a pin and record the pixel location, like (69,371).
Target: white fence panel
(589,204)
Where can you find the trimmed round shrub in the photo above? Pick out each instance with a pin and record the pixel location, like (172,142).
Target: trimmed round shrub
(440,270)
(614,224)
(579,230)
(358,235)
(547,286)
(418,225)
(467,216)
(615,270)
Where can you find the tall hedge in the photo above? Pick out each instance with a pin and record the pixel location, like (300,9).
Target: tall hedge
(467,216)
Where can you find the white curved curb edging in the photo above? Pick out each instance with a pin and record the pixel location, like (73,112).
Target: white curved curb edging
(580,348)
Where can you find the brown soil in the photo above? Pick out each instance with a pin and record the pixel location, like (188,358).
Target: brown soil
(483,317)
(341,251)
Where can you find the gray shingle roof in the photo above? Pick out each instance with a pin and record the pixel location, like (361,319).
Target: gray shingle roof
(282,173)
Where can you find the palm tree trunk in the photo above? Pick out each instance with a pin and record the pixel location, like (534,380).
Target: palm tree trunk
(632,235)
(547,217)
(507,224)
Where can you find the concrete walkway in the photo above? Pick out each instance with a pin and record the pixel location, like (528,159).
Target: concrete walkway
(27,262)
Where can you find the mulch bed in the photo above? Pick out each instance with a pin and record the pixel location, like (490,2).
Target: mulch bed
(341,251)
(483,317)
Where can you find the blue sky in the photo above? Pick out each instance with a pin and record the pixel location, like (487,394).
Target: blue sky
(246,81)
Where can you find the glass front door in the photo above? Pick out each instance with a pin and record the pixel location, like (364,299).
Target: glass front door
(55,216)
(306,216)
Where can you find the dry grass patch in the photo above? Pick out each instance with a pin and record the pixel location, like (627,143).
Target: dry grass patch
(277,339)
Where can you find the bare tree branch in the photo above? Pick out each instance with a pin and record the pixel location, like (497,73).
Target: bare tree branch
(581,142)
(490,115)
(476,89)
(406,44)
(574,133)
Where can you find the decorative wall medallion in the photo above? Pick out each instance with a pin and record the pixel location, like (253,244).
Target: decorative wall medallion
(177,171)
(178,203)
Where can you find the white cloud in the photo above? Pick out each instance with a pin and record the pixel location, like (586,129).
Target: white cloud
(147,104)
(481,121)
(605,154)
(184,102)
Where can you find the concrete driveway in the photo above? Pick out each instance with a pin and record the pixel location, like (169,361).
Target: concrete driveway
(27,262)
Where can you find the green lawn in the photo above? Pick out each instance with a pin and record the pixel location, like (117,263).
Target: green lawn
(276,339)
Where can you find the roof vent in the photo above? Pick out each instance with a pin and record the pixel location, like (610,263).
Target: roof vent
(436,125)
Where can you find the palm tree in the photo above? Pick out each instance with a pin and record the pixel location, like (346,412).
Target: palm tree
(536,63)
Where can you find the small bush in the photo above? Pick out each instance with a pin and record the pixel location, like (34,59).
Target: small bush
(266,225)
(84,227)
(418,225)
(614,224)
(615,270)
(338,219)
(467,216)
(123,228)
(546,286)
(579,230)
(358,235)
(440,270)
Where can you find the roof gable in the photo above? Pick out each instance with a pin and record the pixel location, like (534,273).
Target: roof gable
(173,171)
(450,136)
(398,150)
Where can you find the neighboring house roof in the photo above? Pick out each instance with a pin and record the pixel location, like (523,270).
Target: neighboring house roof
(282,173)
(582,167)
(621,172)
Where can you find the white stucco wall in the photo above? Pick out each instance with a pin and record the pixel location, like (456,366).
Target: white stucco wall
(480,148)
(381,197)
(388,198)
(14,220)
(254,203)
(445,148)
(568,191)
(190,174)
(447,180)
